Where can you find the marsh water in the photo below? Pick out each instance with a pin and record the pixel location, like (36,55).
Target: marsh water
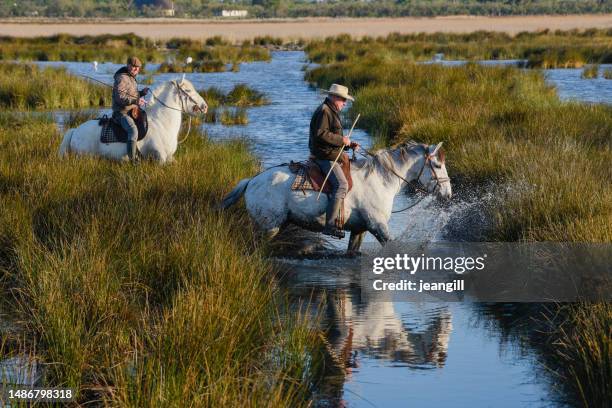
(396,353)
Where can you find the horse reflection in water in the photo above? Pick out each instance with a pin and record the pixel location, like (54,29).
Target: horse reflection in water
(376,329)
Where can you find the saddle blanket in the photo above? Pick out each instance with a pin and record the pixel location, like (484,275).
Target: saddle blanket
(112,132)
(308,175)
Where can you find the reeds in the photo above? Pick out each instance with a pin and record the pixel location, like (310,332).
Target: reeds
(590,72)
(130,285)
(544,49)
(607,73)
(583,350)
(210,55)
(237,116)
(241,95)
(25,86)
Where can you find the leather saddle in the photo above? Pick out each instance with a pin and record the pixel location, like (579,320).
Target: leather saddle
(310,177)
(112,132)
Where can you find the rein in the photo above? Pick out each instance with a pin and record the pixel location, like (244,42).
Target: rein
(178,87)
(415,184)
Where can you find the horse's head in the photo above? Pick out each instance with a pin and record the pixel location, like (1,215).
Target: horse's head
(191,100)
(433,176)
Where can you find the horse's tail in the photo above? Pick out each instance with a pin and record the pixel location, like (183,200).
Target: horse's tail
(234,195)
(65,146)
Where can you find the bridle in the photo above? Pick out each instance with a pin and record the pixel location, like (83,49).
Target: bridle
(184,97)
(416,183)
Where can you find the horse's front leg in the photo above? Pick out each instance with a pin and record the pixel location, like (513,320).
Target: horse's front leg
(355,242)
(380,230)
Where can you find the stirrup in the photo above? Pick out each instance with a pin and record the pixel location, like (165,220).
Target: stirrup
(334,232)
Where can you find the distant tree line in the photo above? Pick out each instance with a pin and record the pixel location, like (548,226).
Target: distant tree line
(299,8)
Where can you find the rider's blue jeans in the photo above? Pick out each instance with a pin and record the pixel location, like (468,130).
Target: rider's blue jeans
(339,189)
(128,124)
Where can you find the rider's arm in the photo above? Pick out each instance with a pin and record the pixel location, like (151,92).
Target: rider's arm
(323,130)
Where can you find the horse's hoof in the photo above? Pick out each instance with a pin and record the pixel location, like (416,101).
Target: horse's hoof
(353,254)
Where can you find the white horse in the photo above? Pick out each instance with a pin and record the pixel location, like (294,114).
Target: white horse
(376,181)
(166,105)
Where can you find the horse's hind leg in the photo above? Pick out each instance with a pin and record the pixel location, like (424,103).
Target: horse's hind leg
(355,242)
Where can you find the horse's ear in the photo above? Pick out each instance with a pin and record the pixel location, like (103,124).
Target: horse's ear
(438,146)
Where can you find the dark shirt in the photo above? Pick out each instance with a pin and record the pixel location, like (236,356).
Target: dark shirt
(325,140)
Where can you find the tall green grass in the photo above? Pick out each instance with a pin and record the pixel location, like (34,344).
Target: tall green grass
(543,49)
(240,95)
(208,55)
(25,86)
(133,289)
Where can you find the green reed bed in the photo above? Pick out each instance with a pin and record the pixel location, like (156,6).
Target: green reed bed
(544,49)
(133,288)
(237,116)
(506,127)
(590,72)
(240,95)
(64,47)
(26,86)
(210,55)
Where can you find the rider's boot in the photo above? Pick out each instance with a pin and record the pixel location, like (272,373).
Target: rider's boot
(334,207)
(132,151)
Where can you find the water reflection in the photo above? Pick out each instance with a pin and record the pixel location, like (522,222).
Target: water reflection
(377,330)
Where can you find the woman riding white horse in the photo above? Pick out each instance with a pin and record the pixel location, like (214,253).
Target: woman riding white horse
(376,180)
(167,104)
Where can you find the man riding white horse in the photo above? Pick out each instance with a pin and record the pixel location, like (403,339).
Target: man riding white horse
(125,98)
(325,143)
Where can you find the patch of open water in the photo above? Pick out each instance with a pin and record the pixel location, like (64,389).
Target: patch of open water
(397,354)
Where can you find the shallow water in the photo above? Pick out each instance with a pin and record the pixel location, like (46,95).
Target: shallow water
(397,354)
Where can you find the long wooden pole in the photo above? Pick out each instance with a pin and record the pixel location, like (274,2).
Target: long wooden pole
(337,157)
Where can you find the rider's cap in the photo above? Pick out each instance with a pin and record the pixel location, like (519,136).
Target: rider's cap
(134,61)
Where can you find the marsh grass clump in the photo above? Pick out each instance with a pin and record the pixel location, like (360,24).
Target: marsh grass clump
(237,116)
(119,273)
(590,72)
(583,353)
(26,86)
(242,95)
(607,73)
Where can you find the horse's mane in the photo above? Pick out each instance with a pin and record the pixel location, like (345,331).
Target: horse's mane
(155,93)
(380,161)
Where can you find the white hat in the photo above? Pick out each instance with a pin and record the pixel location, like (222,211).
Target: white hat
(339,90)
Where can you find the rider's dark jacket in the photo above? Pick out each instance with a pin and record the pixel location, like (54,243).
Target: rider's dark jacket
(325,140)
(125,91)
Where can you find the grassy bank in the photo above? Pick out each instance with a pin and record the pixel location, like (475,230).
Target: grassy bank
(25,86)
(209,55)
(543,49)
(506,127)
(131,288)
